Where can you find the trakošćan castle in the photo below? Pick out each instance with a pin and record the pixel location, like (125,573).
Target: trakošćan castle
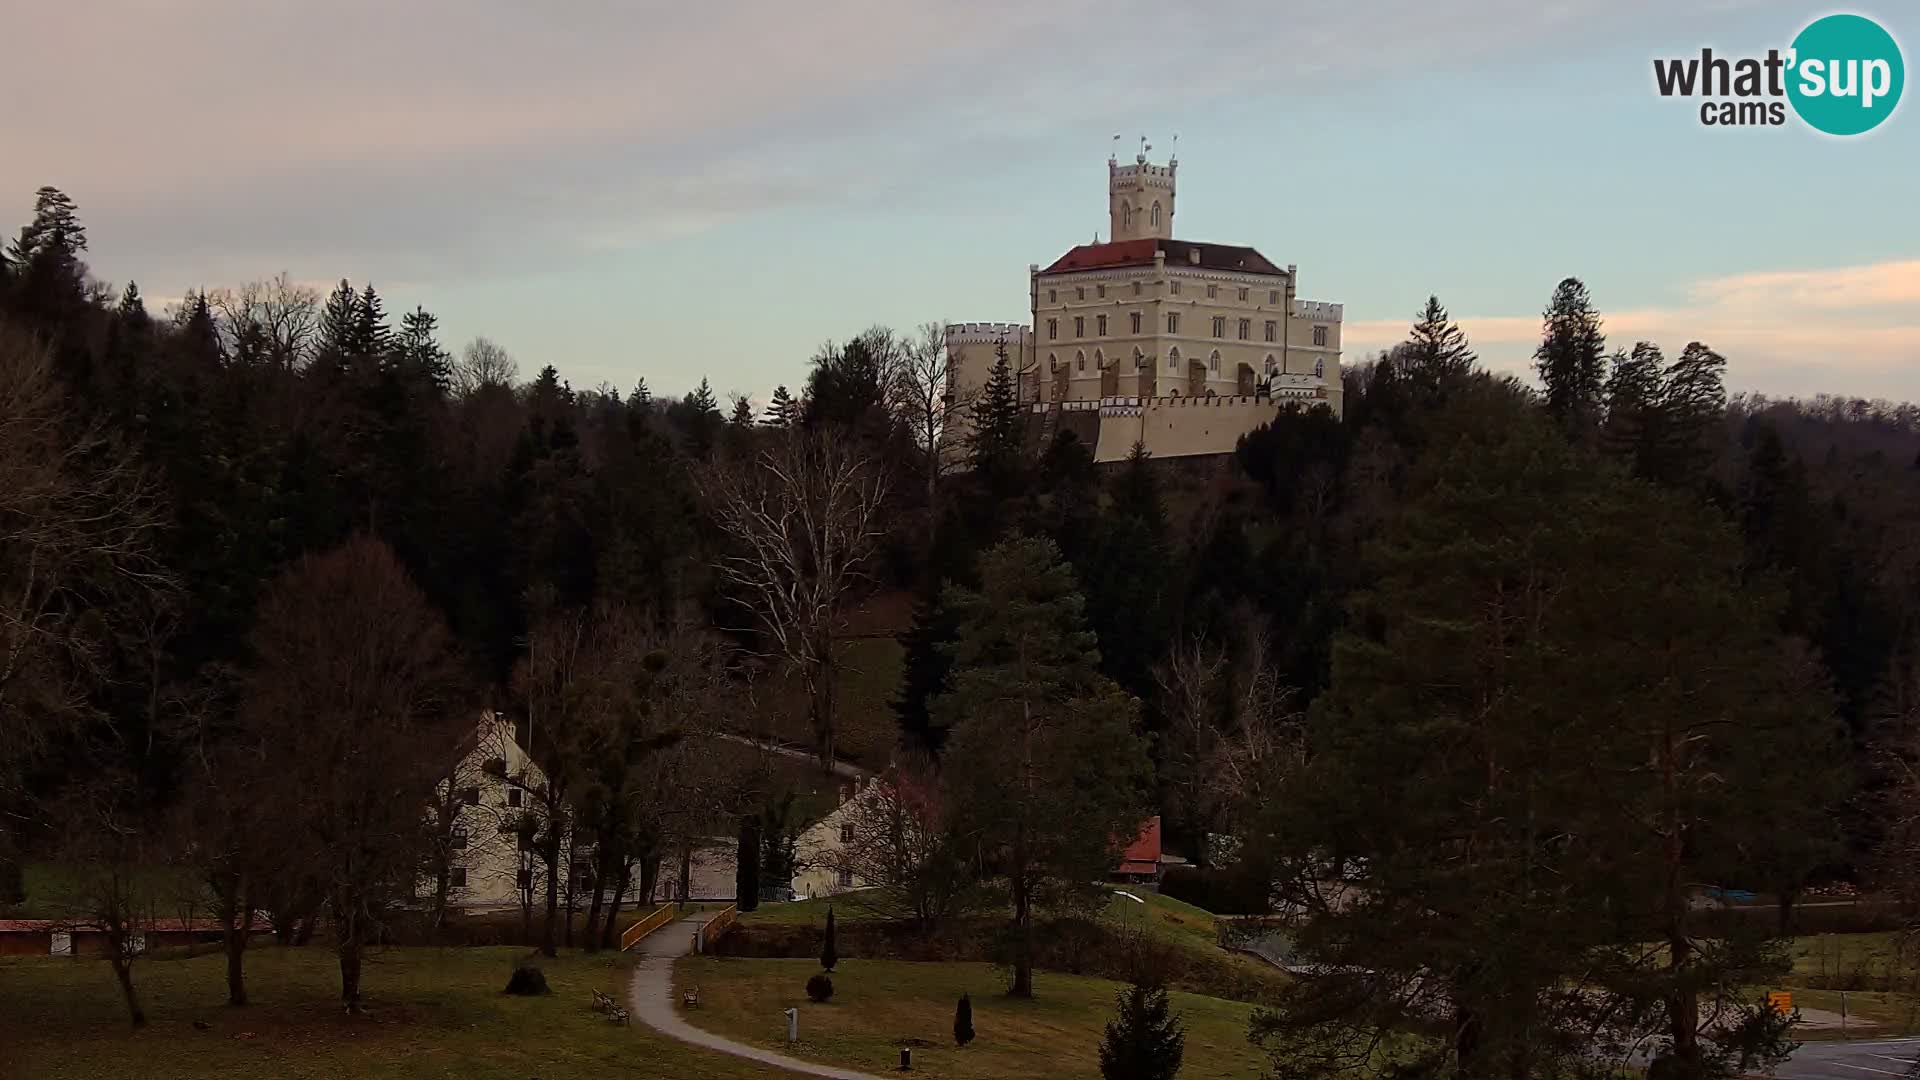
(1177,345)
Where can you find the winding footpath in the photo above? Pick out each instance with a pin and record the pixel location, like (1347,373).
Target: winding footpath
(650,999)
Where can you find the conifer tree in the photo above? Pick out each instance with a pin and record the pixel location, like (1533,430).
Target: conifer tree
(963,1021)
(54,232)
(641,398)
(1436,351)
(1635,388)
(1144,1040)
(742,416)
(338,320)
(995,442)
(1571,359)
(371,337)
(783,410)
(420,352)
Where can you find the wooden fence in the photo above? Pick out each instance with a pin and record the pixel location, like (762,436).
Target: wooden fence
(710,932)
(660,917)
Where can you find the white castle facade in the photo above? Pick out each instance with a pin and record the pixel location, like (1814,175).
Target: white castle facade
(1177,345)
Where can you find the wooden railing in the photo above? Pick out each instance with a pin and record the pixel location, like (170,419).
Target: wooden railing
(711,930)
(660,917)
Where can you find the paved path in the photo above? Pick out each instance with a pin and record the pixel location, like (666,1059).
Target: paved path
(650,997)
(1858,1060)
(840,767)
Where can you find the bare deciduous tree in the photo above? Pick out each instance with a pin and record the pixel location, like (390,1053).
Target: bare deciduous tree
(802,521)
(360,689)
(276,320)
(895,838)
(483,363)
(928,400)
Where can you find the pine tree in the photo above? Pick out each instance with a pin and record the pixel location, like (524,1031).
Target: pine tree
(1436,351)
(995,442)
(372,337)
(1144,1040)
(1635,388)
(829,950)
(54,232)
(132,310)
(963,1021)
(924,674)
(742,416)
(641,398)
(420,352)
(337,323)
(1693,408)
(1571,359)
(199,333)
(783,410)
(1045,763)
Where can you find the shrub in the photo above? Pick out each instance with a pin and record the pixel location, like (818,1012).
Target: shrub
(963,1021)
(829,952)
(1144,1041)
(527,981)
(819,988)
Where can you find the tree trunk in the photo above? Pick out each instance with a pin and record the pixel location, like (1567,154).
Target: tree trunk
(236,941)
(686,871)
(442,885)
(350,971)
(123,973)
(1683,1000)
(1788,896)
(550,855)
(610,936)
(1023,939)
(592,935)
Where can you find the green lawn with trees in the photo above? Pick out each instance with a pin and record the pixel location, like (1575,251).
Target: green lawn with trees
(429,1013)
(879,1006)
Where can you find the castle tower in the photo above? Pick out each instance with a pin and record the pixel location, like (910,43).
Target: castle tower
(1140,198)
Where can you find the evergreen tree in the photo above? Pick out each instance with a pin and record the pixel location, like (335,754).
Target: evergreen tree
(742,416)
(1124,577)
(641,398)
(1436,352)
(371,337)
(132,310)
(995,444)
(1144,1040)
(199,334)
(1571,359)
(420,352)
(1635,389)
(338,322)
(829,949)
(54,233)
(923,675)
(1045,764)
(783,410)
(963,1021)
(1693,409)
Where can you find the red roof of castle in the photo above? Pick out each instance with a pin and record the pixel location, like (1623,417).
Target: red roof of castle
(1179,253)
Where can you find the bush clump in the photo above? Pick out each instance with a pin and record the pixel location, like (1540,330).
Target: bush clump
(819,988)
(527,981)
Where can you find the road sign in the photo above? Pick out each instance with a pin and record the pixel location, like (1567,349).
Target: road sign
(1781,1000)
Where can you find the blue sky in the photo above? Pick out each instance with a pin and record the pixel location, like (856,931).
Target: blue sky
(679,190)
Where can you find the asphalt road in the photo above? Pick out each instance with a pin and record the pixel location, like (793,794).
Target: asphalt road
(1854,1060)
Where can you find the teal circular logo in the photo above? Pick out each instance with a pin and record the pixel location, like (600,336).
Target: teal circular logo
(1845,74)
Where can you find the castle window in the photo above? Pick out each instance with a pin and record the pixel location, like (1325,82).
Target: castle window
(1243,294)
(1100,326)
(1173,322)
(1136,322)
(457,877)
(1136,288)
(1246,329)
(1213,362)
(1080,292)
(1079,326)
(1100,291)
(1173,360)
(1139,360)
(1213,292)
(1126,215)
(1156,215)
(1080,361)
(1273,296)
(1219,326)
(1053,329)
(1176,288)
(1273,330)
(1319,335)
(1051,296)
(458,837)
(1319,369)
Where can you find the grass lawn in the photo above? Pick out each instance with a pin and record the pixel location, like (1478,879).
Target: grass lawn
(864,686)
(879,1006)
(432,1013)
(59,890)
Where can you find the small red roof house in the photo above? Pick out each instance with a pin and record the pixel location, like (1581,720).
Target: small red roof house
(1144,859)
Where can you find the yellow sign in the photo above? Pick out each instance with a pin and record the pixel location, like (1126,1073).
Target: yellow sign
(1781,1000)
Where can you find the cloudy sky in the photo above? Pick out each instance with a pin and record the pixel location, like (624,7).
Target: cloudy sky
(714,188)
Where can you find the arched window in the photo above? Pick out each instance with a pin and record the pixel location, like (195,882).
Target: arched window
(1319,369)
(1173,359)
(1156,215)
(1126,215)
(1099,361)
(1139,360)
(1079,361)
(1053,362)
(1213,362)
